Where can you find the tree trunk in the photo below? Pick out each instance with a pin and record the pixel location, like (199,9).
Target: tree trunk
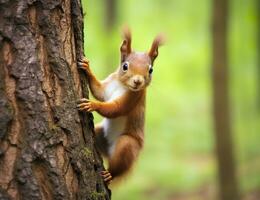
(258,53)
(46,147)
(224,147)
(110,14)
(110,17)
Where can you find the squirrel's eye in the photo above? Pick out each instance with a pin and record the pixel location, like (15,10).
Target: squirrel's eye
(125,66)
(150,69)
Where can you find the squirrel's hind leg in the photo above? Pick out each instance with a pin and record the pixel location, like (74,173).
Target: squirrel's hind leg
(102,147)
(125,153)
(100,140)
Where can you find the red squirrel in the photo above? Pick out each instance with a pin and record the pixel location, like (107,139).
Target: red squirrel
(121,101)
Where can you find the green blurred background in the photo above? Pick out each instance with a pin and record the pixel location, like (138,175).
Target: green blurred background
(178,161)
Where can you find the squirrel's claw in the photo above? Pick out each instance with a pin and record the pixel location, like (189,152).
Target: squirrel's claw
(83,100)
(107,177)
(86,105)
(81,103)
(80,63)
(84,60)
(83,63)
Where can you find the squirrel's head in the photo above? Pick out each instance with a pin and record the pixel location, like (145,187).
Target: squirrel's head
(136,68)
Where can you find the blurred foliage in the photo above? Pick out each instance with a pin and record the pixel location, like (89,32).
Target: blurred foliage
(178,161)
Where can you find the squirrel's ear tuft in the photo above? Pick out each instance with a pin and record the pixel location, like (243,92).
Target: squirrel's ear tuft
(158,41)
(126,45)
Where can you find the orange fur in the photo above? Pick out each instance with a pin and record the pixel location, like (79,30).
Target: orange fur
(126,152)
(121,99)
(118,107)
(96,87)
(158,41)
(126,45)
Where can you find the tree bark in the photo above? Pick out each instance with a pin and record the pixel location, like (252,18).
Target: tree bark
(46,146)
(224,146)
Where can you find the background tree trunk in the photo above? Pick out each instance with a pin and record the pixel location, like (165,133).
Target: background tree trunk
(110,14)
(224,146)
(46,147)
(110,18)
(258,53)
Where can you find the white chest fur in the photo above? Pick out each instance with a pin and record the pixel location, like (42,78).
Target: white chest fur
(113,128)
(113,90)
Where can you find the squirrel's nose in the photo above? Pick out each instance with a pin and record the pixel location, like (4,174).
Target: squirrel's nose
(137,82)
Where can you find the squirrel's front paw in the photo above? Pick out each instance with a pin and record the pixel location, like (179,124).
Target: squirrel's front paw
(83,64)
(87,105)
